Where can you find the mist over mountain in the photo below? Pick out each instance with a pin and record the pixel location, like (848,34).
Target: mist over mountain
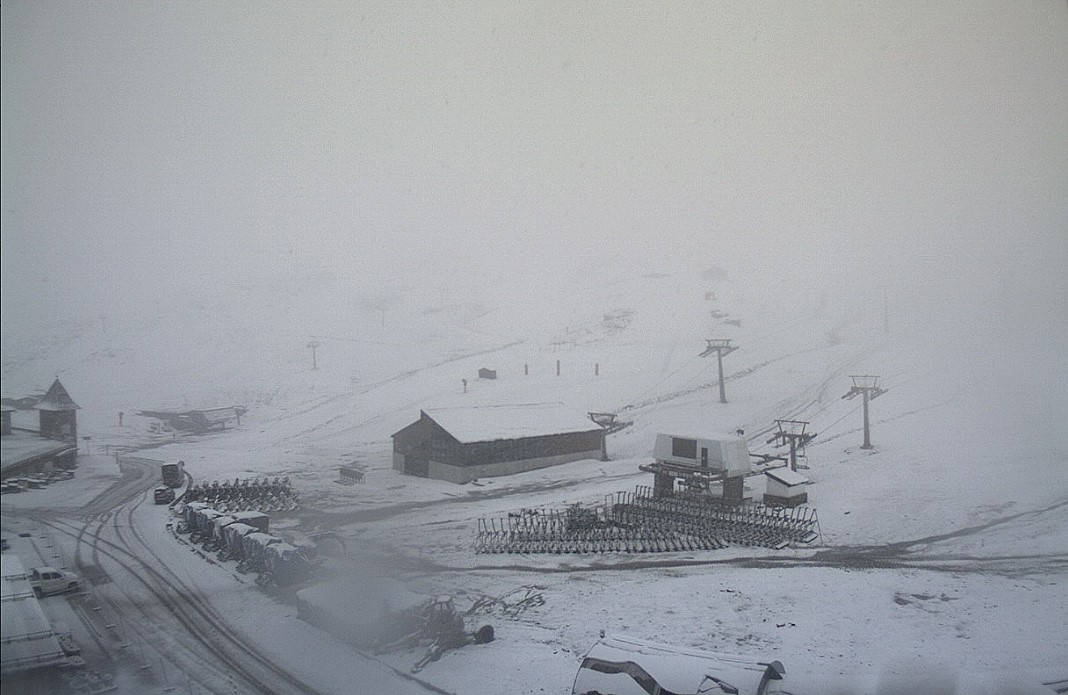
(496,150)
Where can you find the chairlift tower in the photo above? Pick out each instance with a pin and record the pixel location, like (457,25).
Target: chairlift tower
(865,385)
(609,424)
(792,432)
(720,346)
(314,344)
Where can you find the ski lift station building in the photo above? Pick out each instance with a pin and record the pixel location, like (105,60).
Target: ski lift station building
(728,455)
(699,461)
(462,444)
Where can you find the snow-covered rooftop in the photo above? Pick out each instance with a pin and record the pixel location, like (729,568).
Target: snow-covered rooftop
(57,398)
(787,476)
(25,631)
(490,423)
(17,447)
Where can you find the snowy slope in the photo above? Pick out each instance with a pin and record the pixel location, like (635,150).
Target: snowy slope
(944,548)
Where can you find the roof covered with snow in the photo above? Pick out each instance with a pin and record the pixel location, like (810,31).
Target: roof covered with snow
(18,447)
(491,423)
(787,476)
(57,398)
(25,631)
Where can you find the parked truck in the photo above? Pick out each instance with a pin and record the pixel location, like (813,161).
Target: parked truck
(173,473)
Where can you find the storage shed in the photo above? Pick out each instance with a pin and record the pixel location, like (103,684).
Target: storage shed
(486,373)
(785,488)
(462,444)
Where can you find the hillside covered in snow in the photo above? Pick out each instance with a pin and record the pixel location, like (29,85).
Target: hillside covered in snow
(333,216)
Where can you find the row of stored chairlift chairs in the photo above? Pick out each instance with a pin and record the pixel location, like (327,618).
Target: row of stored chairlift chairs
(641,522)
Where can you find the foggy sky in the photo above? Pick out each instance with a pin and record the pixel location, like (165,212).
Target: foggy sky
(156,143)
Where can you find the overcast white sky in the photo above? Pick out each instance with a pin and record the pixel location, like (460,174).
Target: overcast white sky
(148,142)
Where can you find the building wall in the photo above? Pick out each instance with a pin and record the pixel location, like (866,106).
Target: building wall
(59,424)
(777,501)
(451,452)
(464,474)
(412,446)
(780,489)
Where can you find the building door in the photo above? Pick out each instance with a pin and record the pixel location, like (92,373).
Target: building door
(704,457)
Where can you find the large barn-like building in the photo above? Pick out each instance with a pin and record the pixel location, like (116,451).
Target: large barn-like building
(462,444)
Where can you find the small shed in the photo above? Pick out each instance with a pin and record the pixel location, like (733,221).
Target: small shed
(785,488)
(485,373)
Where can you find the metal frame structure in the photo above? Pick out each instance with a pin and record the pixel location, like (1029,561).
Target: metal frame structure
(792,432)
(647,522)
(609,423)
(865,385)
(720,346)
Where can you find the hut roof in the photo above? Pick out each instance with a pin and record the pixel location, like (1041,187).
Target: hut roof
(787,477)
(57,398)
(492,423)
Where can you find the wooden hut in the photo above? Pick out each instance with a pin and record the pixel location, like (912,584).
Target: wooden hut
(785,488)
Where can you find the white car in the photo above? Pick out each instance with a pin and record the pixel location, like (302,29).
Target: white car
(49,580)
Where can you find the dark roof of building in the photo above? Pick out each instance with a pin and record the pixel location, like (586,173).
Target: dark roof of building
(57,398)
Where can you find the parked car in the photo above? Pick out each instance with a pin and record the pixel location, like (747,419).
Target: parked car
(49,580)
(163,495)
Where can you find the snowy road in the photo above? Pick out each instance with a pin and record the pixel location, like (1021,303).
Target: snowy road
(155,614)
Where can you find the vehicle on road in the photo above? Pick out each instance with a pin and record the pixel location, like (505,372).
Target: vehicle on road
(163,495)
(48,580)
(173,473)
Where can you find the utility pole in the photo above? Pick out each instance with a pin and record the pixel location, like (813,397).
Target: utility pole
(314,344)
(720,346)
(865,385)
(792,432)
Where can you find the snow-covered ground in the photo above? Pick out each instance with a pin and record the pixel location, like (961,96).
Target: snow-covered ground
(944,550)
